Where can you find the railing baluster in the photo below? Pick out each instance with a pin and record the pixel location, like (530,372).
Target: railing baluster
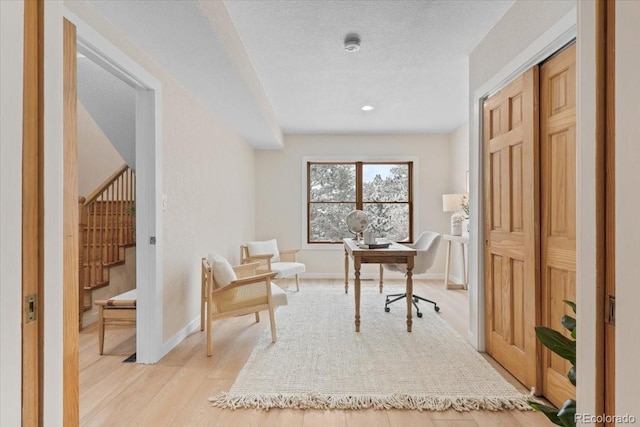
(120,210)
(92,248)
(133,202)
(109,221)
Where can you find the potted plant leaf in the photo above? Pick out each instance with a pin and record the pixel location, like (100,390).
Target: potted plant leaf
(565,348)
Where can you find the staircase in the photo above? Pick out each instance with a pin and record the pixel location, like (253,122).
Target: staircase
(107,228)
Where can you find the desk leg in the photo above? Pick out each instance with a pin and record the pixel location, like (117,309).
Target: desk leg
(409,293)
(356,265)
(381,271)
(446,265)
(346,272)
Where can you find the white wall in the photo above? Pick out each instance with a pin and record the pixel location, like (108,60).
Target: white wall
(458,168)
(97,158)
(280,200)
(11,57)
(627,207)
(459,158)
(209,182)
(53,193)
(523,23)
(586,200)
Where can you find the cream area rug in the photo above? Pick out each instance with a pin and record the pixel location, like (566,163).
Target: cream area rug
(320,362)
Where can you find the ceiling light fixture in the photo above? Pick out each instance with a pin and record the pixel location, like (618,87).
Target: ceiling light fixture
(367,108)
(352,43)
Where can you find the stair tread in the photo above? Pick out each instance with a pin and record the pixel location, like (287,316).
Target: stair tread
(96,286)
(113,263)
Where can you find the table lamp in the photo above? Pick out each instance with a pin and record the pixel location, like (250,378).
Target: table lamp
(453,203)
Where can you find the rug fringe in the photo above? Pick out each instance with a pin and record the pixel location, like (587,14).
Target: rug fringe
(351,401)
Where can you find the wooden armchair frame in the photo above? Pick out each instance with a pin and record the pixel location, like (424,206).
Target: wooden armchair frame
(250,293)
(286,255)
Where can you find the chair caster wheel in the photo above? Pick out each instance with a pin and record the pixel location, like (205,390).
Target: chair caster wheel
(436,308)
(419,314)
(387,309)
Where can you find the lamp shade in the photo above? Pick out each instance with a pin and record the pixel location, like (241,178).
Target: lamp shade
(452,202)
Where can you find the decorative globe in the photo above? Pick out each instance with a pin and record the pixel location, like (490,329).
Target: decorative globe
(357,222)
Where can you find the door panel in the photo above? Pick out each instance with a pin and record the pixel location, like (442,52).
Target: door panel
(558,201)
(510,151)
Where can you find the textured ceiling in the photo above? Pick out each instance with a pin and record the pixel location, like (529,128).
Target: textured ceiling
(268,67)
(412,65)
(112,104)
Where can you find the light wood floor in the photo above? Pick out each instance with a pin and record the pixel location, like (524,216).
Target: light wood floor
(174,391)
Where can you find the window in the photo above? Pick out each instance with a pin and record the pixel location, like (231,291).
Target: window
(383,190)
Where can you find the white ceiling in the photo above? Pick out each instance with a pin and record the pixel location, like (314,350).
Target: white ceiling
(112,104)
(273,67)
(412,65)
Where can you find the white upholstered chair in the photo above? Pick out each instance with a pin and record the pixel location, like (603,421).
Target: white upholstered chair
(283,262)
(233,291)
(426,247)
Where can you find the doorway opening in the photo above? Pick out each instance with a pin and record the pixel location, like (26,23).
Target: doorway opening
(148,185)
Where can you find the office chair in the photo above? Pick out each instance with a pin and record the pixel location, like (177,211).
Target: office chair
(427,248)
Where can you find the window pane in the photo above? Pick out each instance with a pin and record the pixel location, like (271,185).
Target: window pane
(327,221)
(388,220)
(333,182)
(385,183)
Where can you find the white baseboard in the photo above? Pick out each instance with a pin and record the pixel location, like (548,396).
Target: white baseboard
(89,318)
(454,279)
(170,344)
(370,276)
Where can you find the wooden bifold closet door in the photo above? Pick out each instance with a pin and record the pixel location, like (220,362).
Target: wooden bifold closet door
(529,220)
(511,224)
(558,208)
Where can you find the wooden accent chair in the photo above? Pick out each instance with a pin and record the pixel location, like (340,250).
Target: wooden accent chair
(283,262)
(117,310)
(233,291)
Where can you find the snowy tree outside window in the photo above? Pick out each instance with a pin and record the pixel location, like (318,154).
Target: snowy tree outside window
(382,190)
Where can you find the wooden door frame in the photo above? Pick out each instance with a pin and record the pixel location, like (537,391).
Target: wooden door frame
(32,179)
(70,260)
(605,202)
(149,279)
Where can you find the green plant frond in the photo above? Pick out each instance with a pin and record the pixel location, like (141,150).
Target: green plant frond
(572,375)
(570,304)
(558,343)
(567,414)
(569,323)
(549,411)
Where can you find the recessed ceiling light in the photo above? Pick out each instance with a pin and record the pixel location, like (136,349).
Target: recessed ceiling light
(367,107)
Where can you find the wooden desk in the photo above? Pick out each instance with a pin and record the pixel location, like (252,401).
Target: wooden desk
(464,241)
(395,254)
